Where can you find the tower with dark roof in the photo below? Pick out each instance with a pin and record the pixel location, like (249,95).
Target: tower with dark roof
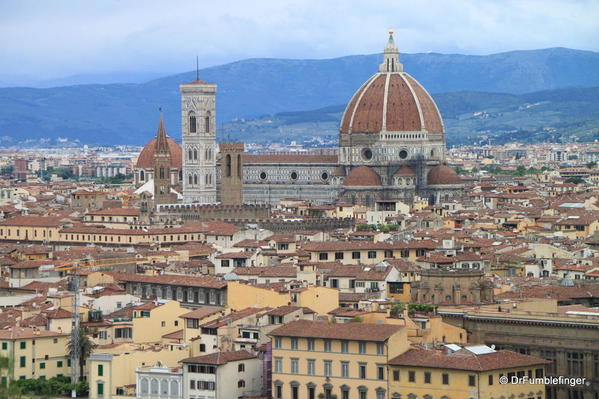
(162,168)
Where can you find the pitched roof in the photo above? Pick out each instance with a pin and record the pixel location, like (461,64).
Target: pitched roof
(219,358)
(349,331)
(201,312)
(462,360)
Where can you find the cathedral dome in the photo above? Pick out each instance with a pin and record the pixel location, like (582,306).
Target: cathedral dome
(391,101)
(146,157)
(441,175)
(362,176)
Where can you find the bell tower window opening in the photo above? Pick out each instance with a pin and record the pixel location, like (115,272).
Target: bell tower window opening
(238,165)
(195,155)
(192,123)
(228,165)
(207,122)
(162,173)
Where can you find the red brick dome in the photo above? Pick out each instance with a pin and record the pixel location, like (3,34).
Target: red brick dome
(391,101)
(442,174)
(146,157)
(362,176)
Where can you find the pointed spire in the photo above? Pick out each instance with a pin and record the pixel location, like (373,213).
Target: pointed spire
(161,142)
(391,56)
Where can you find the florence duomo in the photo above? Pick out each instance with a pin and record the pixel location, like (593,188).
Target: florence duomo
(391,148)
(323,208)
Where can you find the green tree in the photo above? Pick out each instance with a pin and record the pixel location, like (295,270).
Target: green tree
(355,319)
(86,347)
(397,309)
(8,389)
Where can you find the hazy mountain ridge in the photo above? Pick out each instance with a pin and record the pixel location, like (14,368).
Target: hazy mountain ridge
(128,113)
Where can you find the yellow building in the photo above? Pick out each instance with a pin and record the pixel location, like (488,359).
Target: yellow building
(348,360)
(464,373)
(36,353)
(151,320)
(367,252)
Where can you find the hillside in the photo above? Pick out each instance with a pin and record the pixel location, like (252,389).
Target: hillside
(127,113)
(470,117)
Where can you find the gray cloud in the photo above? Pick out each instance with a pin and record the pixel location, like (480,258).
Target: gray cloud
(42,40)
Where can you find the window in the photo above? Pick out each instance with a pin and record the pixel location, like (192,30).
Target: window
(294,365)
(427,377)
(4,345)
(241,367)
(327,345)
(395,375)
(539,372)
(362,370)
(100,370)
(42,365)
(192,123)
(22,361)
(278,364)
(380,372)
(472,380)
(323,256)
(355,255)
(311,367)
(59,363)
(224,262)
(371,254)
(328,368)
(380,348)
(411,376)
(294,344)
(23,345)
(362,348)
(278,391)
(310,344)
(345,369)
(240,384)
(278,341)
(344,346)
(575,363)
(100,389)
(490,379)
(207,123)
(338,255)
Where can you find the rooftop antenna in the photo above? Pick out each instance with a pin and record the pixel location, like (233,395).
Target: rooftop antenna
(197,68)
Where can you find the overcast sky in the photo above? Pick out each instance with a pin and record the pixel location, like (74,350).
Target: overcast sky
(53,39)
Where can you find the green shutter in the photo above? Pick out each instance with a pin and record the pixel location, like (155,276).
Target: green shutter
(59,363)
(42,365)
(23,345)
(4,345)
(22,361)
(100,388)
(100,370)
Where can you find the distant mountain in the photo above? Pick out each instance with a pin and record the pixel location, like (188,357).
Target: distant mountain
(127,113)
(470,117)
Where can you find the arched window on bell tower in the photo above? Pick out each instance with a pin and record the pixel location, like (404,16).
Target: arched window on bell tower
(192,122)
(228,165)
(161,172)
(207,122)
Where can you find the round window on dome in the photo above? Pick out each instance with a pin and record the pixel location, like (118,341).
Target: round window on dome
(367,154)
(324,176)
(293,175)
(262,175)
(403,154)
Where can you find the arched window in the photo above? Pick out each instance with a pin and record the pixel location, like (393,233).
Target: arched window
(142,175)
(174,388)
(239,165)
(195,179)
(154,387)
(164,387)
(228,165)
(190,179)
(207,122)
(206,179)
(161,172)
(240,384)
(192,123)
(189,154)
(195,155)
(144,385)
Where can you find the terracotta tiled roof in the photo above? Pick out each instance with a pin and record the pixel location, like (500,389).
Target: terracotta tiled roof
(442,174)
(349,331)
(186,281)
(201,312)
(33,221)
(404,170)
(24,332)
(146,157)
(362,176)
(219,358)
(465,361)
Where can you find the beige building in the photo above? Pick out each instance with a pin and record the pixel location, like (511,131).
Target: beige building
(348,360)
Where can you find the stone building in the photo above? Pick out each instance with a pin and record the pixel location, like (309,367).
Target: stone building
(391,147)
(452,286)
